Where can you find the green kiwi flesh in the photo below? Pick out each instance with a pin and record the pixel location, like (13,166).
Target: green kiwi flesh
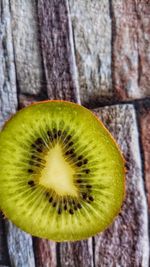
(62,174)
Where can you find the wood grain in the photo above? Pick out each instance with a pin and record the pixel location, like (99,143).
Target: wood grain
(19,244)
(77,254)
(8,96)
(28,59)
(130,48)
(45,253)
(57,50)
(91,24)
(125,243)
(4,257)
(144,118)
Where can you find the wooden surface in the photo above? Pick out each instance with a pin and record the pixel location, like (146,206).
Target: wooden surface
(95,53)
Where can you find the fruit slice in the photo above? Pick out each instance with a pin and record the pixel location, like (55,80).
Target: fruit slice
(62,174)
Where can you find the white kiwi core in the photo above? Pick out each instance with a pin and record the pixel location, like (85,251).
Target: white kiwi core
(58,173)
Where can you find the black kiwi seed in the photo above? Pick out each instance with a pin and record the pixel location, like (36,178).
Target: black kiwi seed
(39,141)
(55,135)
(89,186)
(39,149)
(75,207)
(68,137)
(47,194)
(59,133)
(33,157)
(84,195)
(71,151)
(79,181)
(87,171)
(71,211)
(54,204)
(31,183)
(33,145)
(30,170)
(59,210)
(79,164)
(80,157)
(65,207)
(70,144)
(85,161)
(79,206)
(91,198)
(50,199)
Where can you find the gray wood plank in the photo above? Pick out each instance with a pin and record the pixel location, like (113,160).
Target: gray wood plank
(91,24)
(130,48)
(19,243)
(57,50)
(20,247)
(125,243)
(28,59)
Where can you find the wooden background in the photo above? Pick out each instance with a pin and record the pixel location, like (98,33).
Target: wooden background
(97,53)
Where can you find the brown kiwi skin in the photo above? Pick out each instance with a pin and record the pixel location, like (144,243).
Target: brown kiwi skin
(101,123)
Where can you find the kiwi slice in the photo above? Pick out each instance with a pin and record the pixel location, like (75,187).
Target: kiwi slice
(62,174)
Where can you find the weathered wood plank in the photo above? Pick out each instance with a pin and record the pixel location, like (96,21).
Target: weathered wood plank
(77,254)
(45,253)
(18,243)
(28,59)
(144,117)
(4,257)
(8,98)
(92,39)
(61,77)
(57,50)
(130,48)
(20,246)
(125,243)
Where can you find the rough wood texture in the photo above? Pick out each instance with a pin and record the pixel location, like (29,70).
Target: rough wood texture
(125,243)
(4,257)
(8,97)
(57,50)
(20,247)
(77,254)
(130,48)
(92,36)
(18,243)
(45,253)
(145,138)
(27,52)
(61,84)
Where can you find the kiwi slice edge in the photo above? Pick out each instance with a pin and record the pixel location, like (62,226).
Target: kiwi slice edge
(88,172)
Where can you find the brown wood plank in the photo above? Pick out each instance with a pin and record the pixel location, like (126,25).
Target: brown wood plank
(19,244)
(28,59)
(57,50)
(61,77)
(144,117)
(125,242)
(92,38)
(130,48)
(45,253)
